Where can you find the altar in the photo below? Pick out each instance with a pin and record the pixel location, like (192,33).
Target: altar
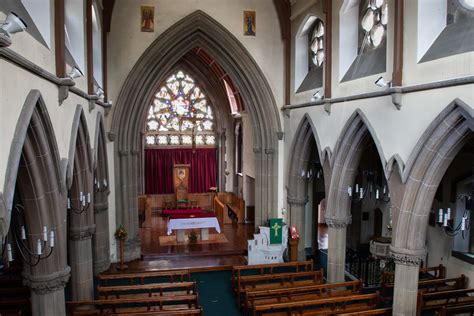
(181,222)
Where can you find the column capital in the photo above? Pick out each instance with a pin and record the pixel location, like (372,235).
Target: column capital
(44,284)
(81,233)
(257,150)
(300,201)
(338,223)
(407,257)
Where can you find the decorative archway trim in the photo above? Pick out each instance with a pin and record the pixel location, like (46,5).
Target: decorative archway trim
(33,100)
(79,119)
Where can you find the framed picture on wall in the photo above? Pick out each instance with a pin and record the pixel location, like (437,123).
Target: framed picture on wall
(147,18)
(250,24)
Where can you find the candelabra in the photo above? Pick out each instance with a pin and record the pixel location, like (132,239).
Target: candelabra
(369,186)
(100,188)
(84,203)
(448,224)
(313,172)
(44,245)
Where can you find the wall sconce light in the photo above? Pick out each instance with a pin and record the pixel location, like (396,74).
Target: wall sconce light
(100,187)
(382,83)
(13,24)
(317,96)
(84,203)
(75,73)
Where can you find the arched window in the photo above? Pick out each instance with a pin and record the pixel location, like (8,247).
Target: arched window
(180,115)
(317,44)
(373,24)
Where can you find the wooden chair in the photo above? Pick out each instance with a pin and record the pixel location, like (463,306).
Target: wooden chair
(182,200)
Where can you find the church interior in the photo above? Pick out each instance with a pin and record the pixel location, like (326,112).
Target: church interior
(270,157)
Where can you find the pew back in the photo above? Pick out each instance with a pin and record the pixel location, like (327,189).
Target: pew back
(181,275)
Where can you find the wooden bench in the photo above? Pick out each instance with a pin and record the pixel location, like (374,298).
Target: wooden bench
(436,285)
(456,309)
(302,292)
(279,280)
(181,312)
(437,300)
(324,306)
(265,269)
(128,305)
(438,272)
(148,289)
(181,275)
(378,311)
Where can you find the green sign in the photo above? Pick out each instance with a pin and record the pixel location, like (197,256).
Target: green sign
(276,232)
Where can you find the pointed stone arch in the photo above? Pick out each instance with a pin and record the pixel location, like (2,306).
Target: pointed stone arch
(195,30)
(34,170)
(434,152)
(354,138)
(81,225)
(100,240)
(297,186)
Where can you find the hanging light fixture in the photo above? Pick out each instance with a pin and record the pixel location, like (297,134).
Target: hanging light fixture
(43,247)
(84,202)
(368,186)
(314,171)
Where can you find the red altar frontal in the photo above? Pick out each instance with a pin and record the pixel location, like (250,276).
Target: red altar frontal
(182,211)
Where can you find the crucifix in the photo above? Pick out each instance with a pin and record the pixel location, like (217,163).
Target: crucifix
(275,228)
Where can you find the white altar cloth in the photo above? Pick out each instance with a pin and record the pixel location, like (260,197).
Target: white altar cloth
(193,222)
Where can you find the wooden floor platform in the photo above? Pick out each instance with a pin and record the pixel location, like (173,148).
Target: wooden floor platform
(197,257)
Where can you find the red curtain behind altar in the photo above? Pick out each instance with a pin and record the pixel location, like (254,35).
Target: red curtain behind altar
(159,169)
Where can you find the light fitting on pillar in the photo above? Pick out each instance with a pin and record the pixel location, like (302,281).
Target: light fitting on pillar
(382,83)
(317,96)
(313,171)
(368,185)
(83,205)
(448,223)
(42,246)
(13,24)
(100,186)
(75,73)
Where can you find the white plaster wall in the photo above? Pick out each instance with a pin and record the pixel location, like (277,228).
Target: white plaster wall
(455,66)
(127,43)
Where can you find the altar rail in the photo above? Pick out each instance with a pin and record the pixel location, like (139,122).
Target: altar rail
(234,207)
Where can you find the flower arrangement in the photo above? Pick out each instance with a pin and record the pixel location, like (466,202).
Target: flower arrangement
(121,233)
(192,236)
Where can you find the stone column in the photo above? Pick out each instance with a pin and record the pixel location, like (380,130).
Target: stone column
(407,265)
(100,240)
(337,229)
(297,217)
(80,259)
(47,293)
(259,190)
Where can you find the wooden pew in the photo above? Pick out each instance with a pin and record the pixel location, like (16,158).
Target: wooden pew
(324,306)
(456,309)
(302,292)
(279,280)
(147,289)
(181,312)
(437,300)
(436,285)
(271,268)
(129,305)
(181,275)
(378,311)
(438,272)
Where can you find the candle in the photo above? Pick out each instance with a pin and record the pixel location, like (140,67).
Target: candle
(84,201)
(318,175)
(377,194)
(105,183)
(45,233)
(445,221)
(38,248)
(9,253)
(88,197)
(448,213)
(384,189)
(349,191)
(463,223)
(80,196)
(68,203)
(51,238)
(357,188)
(23,233)
(440,215)
(361,191)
